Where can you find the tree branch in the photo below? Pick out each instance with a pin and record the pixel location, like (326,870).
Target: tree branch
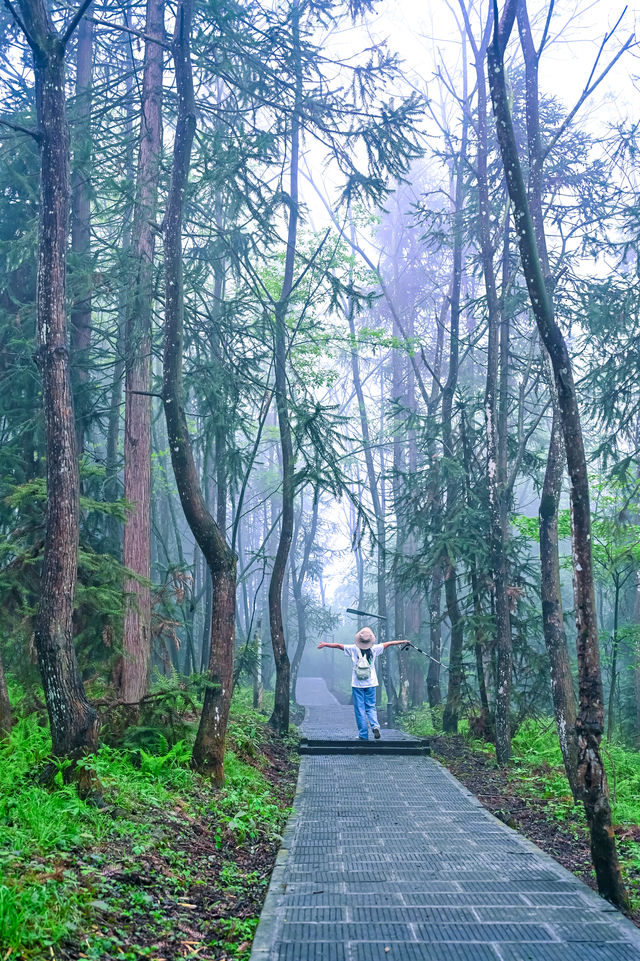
(545,32)
(75,20)
(19,129)
(18,19)
(140,34)
(589,87)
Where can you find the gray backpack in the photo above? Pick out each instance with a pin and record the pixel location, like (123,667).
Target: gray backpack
(363,668)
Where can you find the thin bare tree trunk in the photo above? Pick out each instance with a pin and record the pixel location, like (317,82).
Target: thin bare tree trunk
(614,659)
(496,441)
(132,671)
(115,402)
(297,581)
(399,598)
(73,722)
(279,719)
(435,637)
(592,780)
(81,229)
(488,730)
(456,676)
(208,750)
(564,701)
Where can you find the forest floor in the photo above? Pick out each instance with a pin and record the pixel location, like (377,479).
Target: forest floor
(530,799)
(168,869)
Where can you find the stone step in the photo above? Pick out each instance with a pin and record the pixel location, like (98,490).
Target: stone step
(395,747)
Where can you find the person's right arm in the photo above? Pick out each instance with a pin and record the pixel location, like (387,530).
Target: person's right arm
(327,644)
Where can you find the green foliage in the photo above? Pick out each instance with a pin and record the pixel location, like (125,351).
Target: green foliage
(420,721)
(162,720)
(99,596)
(538,768)
(52,843)
(246,804)
(241,930)
(40,903)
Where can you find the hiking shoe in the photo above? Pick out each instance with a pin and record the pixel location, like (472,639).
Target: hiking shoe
(376,733)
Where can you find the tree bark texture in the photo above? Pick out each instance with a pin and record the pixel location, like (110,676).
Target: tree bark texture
(81,230)
(208,750)
(73,722)
(132,672)
(592,780)
(564,700)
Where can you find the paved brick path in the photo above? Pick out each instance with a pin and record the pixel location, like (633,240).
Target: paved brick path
(391,859)
(325,717)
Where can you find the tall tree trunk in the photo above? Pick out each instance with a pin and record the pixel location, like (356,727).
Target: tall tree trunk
(132,673)
(298,584)
(398,398)
(371,471)
(73,722)
(487,728)
(614,660)
(564,700)
(435,637)
(563,696)
(297,581)
(456,676)
(496,441)
(592,780)
(81,229)
(208,750)
(115,401)
(6,716)
(279,719)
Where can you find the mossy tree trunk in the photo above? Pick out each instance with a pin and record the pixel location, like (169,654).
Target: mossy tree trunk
(132,670)
(73,722)
(208,750)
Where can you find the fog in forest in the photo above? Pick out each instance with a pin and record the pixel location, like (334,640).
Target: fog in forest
(310,306)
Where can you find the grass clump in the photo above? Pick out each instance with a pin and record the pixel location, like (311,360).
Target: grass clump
(537,762)
(419,721)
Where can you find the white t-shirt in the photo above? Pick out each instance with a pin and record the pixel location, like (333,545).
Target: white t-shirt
(354,653)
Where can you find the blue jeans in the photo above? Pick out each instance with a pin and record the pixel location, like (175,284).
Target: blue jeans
(364,705)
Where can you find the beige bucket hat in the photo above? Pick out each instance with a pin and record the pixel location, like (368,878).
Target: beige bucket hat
(365,639)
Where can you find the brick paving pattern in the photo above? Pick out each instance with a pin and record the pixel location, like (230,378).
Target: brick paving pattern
(391,859)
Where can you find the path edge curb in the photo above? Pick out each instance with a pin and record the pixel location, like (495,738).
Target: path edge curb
(264,939)
(604,906)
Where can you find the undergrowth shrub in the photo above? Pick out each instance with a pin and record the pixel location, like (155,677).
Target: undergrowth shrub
(50,839)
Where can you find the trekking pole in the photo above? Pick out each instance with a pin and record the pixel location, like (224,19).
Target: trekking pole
(420,651)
